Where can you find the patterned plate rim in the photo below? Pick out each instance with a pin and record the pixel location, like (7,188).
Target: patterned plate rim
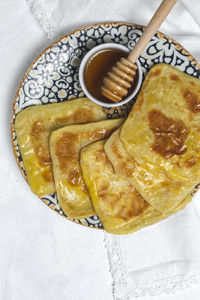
(160,34)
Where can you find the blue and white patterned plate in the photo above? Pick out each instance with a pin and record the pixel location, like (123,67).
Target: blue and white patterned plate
(54,75)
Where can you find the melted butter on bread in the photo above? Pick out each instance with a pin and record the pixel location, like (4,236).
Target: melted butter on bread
(65,146)
(33,127)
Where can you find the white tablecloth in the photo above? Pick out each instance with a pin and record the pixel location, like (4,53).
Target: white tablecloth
(42,255)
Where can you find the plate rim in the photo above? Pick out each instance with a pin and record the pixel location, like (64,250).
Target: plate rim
(12,130)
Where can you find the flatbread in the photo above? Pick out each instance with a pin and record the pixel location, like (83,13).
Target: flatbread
(33,126)
(162,134)
(65,146)
(125,168)
(120,207)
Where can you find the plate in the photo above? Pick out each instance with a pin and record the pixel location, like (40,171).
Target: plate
(53,76)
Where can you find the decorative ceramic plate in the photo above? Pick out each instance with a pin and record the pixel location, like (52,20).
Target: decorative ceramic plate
(54,75)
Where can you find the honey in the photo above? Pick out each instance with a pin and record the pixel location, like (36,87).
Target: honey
(97,68)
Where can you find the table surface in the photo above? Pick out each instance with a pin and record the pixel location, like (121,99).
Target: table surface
(42,255)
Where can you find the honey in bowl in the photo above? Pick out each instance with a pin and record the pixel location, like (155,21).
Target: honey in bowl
(96,69)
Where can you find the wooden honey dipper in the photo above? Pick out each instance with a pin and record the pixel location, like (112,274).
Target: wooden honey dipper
(118,81)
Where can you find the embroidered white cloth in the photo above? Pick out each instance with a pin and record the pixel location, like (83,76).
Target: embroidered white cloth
(165,257)
(59,16)
(162,258)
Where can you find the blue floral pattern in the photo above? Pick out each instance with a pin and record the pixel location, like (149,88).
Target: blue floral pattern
(53,77)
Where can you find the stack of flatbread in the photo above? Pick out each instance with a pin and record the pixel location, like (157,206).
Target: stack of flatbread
(50,139)
(131,174)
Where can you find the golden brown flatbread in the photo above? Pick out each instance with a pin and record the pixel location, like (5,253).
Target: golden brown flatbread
(120,207)
(33,126)
(162,134)
(126,167)
(65,146)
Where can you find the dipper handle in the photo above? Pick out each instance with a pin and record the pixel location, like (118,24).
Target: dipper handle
(118,81)
(157,19)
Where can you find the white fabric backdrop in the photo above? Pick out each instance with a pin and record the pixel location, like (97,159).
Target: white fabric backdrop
(42,256)
(62,16)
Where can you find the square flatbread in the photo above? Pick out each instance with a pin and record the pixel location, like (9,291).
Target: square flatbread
(33,127)
(126,167)
(120,207)
(162,134)
(65,146)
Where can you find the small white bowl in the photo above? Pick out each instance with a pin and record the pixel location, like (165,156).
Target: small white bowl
(82,71)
